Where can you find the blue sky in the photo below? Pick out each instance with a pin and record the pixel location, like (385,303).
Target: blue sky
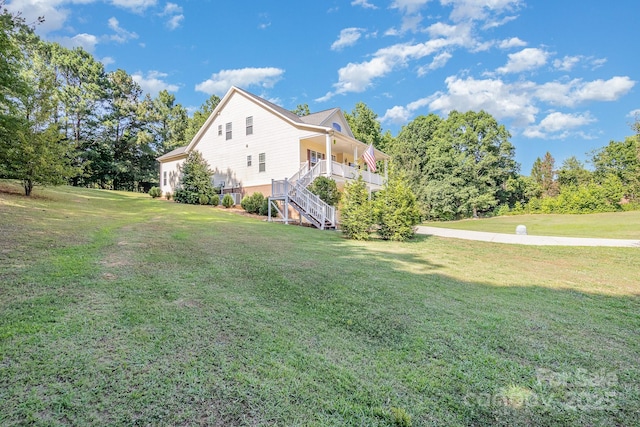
(562,76)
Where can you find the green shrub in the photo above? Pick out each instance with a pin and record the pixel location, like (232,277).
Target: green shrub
(195,180)
(264,208)
(227,201)
(326,189)
(214,200)
(253,203)
(155,192)
(356,217)
(396,210)
(203,199)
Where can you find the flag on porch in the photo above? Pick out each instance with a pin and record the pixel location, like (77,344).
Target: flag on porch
(370,158)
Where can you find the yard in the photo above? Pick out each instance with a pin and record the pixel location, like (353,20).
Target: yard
(119,309)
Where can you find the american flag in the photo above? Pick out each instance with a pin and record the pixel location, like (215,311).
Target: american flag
(370,158)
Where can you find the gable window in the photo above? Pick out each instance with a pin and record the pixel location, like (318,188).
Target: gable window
(337,126)
(219,130)
(262,162)
(164,177)
(250,125)
(248,161)
(228,129)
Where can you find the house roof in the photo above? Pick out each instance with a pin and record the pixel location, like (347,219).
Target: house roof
(320,117)
(174,153)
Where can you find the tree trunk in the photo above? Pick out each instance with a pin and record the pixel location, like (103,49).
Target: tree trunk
(28,186)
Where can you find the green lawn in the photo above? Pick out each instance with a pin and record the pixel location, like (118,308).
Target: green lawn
(119,309)
(612,225)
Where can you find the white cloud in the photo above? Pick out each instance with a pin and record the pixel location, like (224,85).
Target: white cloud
(502,100)
(137,6)
(408,6)
(86,41)
(348,37)
(153,82)
(107,60)
(121,35)
(364,3)
(220,82)
(476,10)
(400,115)
(512,42)
(566,63)
(55,15)
(558,125)
(175,21)
(576,91)
(174,12)
(525,60)
(439,61)
(357,77)
(634,113)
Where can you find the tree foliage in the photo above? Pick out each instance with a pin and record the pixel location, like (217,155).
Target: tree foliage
(365,125)
(396,209)
(622,160)
(325,188)
(458,167)
(543,173)
(356,216)
(301,110)
(195,180)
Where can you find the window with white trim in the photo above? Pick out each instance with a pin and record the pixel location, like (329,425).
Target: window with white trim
(250,125)
(248,160)
(262,162)
(219,130)
(228,129)
(164,177)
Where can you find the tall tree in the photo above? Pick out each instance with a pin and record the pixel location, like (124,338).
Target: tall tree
(35,151)
(82,91)
(365,125)
(122,129)
(167,122)
(573,173)
(620,159)
(544,174)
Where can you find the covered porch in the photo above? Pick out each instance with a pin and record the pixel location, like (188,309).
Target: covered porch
(339,156)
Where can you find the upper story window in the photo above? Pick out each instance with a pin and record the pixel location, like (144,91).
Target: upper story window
(250,125)
(228,129)
(337,126)
(219,130)
(262,162)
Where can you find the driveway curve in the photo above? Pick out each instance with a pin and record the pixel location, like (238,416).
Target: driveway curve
(517,239)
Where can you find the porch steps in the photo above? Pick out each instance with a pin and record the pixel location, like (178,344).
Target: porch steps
(294,193)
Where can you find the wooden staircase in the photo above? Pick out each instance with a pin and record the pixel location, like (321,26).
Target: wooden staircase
(294,192)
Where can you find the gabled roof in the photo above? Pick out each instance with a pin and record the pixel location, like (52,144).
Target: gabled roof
(288,114)
(320,117)
(174,153)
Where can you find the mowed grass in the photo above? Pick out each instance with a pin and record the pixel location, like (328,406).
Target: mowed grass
(610,225)
(122,310)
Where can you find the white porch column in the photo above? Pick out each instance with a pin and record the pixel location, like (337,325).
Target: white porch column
(355,155)
(328,149)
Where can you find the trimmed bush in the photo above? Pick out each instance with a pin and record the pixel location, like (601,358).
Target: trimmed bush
(396,210)
(253,203)
(227,201)
(214,200)
(155,192)
(356,217)
(203,199)
(264,208)
(326,189)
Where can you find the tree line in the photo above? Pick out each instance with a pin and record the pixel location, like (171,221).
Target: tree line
(64,119)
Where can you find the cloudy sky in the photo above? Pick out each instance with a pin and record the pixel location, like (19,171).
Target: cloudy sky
(561,75)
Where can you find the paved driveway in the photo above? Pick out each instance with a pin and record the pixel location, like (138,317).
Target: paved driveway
(526,239)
